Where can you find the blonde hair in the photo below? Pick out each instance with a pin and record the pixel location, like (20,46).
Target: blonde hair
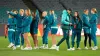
(86,10)
(45,12)
(15,11)
(53,12)
(29,12)
(21,10)
(94,10)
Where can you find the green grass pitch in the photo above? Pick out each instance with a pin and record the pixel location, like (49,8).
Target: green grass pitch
(4,51)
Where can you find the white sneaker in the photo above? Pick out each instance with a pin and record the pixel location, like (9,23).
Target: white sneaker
(86,48)
(27,48)
(53,47)
(79,48)
(57,48)
(17,46)
(14,47)
(36,47)
(96,47)
(22,47)
(41,47)
(73,48)
(46,47)
(93,48)
(10,45)
(69,49)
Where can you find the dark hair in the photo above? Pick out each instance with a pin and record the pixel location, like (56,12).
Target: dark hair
(69,9)
(51,11)
(77,15)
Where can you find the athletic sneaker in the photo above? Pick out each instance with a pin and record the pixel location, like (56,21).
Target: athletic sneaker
(46,46)
(10,45)
(53,47)
(41,47)
(91,47)
(17,46)
(27,48)
(69,49)
(95,48)
(14,47)
(79,48)
(57,48)
(86,48)
(73,48)
(36,47)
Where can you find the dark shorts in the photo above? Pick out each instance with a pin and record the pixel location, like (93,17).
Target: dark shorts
(34,31)
(54,30)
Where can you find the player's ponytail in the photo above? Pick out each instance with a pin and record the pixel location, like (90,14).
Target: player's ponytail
(94,10)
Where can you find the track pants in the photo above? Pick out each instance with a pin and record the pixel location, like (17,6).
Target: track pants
(65,37)
(45,35)
(74,34)
(93,37)
(11,37)
(18,35)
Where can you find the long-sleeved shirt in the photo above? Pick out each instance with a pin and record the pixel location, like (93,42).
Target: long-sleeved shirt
(85,20)
(26,23)
(65,18)
(11,24)
(47,22)
(93,22)
(54,24)
(18,18)
(77,24)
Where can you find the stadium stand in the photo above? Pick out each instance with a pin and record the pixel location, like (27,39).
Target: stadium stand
(57,5)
